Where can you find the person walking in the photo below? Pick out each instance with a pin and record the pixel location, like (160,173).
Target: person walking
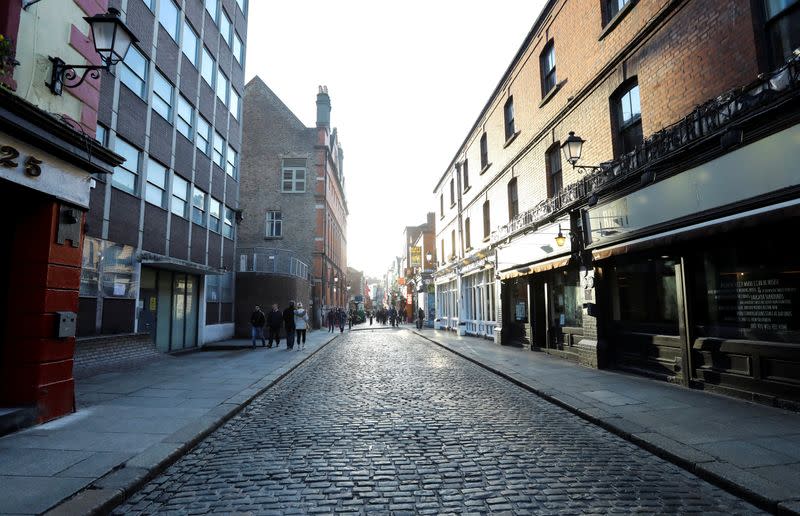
(420,318)
(288,325)
(257,321)
(274,322)
(342,319)
(300,324)
(331,319)
(350,318)
(370,318)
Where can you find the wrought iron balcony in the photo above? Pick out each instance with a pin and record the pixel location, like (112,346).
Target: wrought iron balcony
(271,261)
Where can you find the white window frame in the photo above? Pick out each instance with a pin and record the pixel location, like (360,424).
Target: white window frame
(217,154)
(274,224)
(161,105)
(231,158)
(214,215)
(203,133)
(198,209)
(156,186)
(179,198)
(135,81)
(126,170)
(227,223)
(184,126)
(294,180)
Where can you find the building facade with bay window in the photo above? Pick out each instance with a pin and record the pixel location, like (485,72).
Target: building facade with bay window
(158,256)
(656,249)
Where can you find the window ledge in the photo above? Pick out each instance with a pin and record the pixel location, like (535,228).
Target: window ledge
(511,139)
(273,237)
(486,238)
(613,22)
(552,93)
(485,168)
(468,249)
(466,189)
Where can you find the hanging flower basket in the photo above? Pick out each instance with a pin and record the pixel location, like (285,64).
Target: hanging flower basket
(7,54)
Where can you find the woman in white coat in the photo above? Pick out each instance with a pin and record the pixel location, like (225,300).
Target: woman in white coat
(300,324)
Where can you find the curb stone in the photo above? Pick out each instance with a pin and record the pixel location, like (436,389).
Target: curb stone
(107,492)
(698,463)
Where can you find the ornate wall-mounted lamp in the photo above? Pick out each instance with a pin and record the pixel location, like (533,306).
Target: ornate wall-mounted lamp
(112,39)
(572,149)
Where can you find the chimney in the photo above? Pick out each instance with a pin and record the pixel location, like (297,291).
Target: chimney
(323,108)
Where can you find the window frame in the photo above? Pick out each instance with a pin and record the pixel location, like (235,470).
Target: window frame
(177,22)
(452,192)
(512,191)
(467,236)
(274,224)
(224,16)
(222,79)
(294,180)
(127,72)
(151,185)
(214,222)
(188,31)
(218,154)
(158,100)
(206,137)
(231,165)
(124,170)
(553,150)
(208,64)
(484,147)
(626,130)
(202,210)
(770,23)
(508,121)
(238,48)
(177,181)
(180,121)
(548,75)
(215,6)
(487,221)
(227,223)
(465,175)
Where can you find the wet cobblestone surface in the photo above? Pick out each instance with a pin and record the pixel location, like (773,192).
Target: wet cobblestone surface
(385,422)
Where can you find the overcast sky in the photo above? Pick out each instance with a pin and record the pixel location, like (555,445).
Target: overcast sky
(407,81)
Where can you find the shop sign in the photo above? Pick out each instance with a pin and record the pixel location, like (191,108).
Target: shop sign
(766,304)
(28,166)
(416,256)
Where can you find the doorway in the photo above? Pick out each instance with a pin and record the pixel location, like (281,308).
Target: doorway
(170,308)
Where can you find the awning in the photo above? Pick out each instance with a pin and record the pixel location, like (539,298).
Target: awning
(546,265)
(159,261)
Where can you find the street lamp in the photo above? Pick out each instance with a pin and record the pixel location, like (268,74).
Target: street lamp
(112,39)
(560,238)
(572,149)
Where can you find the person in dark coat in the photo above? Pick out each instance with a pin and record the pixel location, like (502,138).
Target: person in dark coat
(342,319)
(274,322)
(332,319)
(288,325)
(257,321)
(420,318)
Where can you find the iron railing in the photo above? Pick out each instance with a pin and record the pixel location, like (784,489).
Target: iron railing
(272,261)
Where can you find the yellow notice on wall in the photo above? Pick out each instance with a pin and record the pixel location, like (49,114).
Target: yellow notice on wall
(153,304)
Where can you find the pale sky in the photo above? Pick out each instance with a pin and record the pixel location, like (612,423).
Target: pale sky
(407,81)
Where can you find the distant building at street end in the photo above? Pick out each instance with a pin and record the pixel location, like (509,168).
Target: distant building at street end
(292,240)
(355,288)
(49,161)
(623,199)
(418,264)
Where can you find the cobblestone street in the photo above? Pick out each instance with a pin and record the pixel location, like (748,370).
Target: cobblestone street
(386,422)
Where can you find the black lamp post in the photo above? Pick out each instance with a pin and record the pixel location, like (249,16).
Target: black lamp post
(572,149)
(112,39)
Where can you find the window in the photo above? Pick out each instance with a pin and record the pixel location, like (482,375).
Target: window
(238,49)
(227,227)
(274,224)
(553,168)
(199,207)
(162,96)
(484,152)
(613,7)
(124,176)
(452,193)
(453,243)
(150,4)
(189,41)
(547,65)
(467,238)
(184,119)
(441,206)
(156,183)
(180,196)
(222,87)
(101,135)
(225,27)
(508,114)
(203,135)
(628,117)
(207,67)
(169,18)
(294,175)
(234,107)
(230,164)
(444,256)
(219,148)
(211,7)
(783,19)
(241,4)
(214,215)
(465,174)
(513,199)
(133,72)
(486,221)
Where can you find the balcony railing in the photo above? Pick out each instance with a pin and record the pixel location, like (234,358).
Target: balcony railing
(271,261)
(705,120)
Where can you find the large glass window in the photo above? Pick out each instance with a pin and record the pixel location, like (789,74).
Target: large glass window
(211,7)
(180,196)
(487,225)
(125,176)
(484,152)
(566,300)
(467,234)
(162,96)
(555,179)
(274,224)
(227,228)
(203,140)
(231,157)
(465,173)
(628,114)
(234,107)
(214,215)
(198,207)
(222,87)
(242,4)
(225,27)
(207,67)
(508,114)
(645,292)
(169,18)
(156,183)
(190,43)
(613,7)
(293,175)
(118,274)
(238,48)
(219,149)
(783,20)
(185,117)
(547,65)
(90,266)
(513,199)
(133,72)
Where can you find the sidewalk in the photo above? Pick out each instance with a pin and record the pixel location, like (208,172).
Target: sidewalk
(132,424)
(750,449)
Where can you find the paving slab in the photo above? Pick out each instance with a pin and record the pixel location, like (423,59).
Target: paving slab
(130,424)
(751,449)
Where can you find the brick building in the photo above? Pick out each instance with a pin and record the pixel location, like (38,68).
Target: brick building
(47,165)
(292,240)
(158,257)
(418,267)
(661,256)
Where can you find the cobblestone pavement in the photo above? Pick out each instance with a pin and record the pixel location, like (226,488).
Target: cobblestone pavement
(385,422)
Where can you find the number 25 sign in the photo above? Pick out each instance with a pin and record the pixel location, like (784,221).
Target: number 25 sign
(8,156)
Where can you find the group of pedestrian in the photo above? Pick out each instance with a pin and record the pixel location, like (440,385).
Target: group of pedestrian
(293,320)
(388,316)
(338,317)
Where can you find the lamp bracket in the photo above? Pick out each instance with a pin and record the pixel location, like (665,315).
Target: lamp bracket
(591,168)
(66,76)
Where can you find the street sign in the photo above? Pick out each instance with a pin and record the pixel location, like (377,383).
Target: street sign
(416,256)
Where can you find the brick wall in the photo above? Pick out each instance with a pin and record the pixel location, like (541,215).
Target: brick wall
(99,354)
